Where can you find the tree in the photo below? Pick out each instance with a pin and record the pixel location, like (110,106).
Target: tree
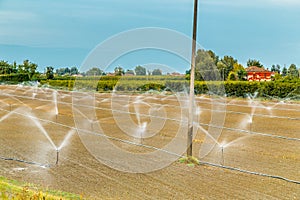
(5,67)
(63,71)
(205,68)
(156,72)
(225,65)
(213,56)
(293,71)
(14,67)
(67,71)
(222,69)
(60,71)
(27,68)
(253,62)
(284,71)
(140,71)
(49,72)
(240,71)
(278,68)
(74,71)
(95,71)
(232,76)
(32,69)
(275,68)
(130,72)
(119,71)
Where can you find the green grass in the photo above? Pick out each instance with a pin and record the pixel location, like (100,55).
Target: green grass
(11,189)
(189,161)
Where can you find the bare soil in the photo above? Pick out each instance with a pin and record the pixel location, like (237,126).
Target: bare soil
(268,145)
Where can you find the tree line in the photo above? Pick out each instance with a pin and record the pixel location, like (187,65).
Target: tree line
(30,69)
(209,66)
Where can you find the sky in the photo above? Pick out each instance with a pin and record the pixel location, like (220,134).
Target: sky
(64,33)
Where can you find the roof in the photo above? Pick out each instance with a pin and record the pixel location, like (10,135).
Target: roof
(256,69)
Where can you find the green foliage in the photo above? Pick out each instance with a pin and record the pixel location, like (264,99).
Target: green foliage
(130,72)
(284,71)
(222,69)
(27,68)
(156,72)
(286,87)
(253,62)
(276,68)
(95,71)
(293,71)
(74,70)
(189,161)
(151,86)
(10,189)
(9,70)
(241,88)
(59,84)
(276,89)
(49,72)
(232,76)
(6,68)
(14,78)
(240,71)
(119,71)
(213,56)
(228,65)
(205,68)
(140,71)
(177,86)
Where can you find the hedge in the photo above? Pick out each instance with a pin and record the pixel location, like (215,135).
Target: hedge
(14,78)
(273,89)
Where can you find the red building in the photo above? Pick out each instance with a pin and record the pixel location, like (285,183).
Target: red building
(258,74)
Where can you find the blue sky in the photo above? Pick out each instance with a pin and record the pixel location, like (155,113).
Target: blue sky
(62,33)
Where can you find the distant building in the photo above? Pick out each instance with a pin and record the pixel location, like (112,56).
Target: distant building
(258,74)
(111,74)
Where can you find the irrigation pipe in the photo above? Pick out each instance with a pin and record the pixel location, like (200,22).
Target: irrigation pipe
(26,162)
(249,172)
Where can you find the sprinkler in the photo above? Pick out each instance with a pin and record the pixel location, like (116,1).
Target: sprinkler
(56,117)
(57,156)
(223,155)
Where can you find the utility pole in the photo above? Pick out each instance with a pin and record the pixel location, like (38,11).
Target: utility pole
(192,80)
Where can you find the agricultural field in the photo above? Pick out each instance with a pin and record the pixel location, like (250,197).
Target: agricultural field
(127,146)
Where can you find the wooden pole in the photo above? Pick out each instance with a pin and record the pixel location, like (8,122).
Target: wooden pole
(192,80)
